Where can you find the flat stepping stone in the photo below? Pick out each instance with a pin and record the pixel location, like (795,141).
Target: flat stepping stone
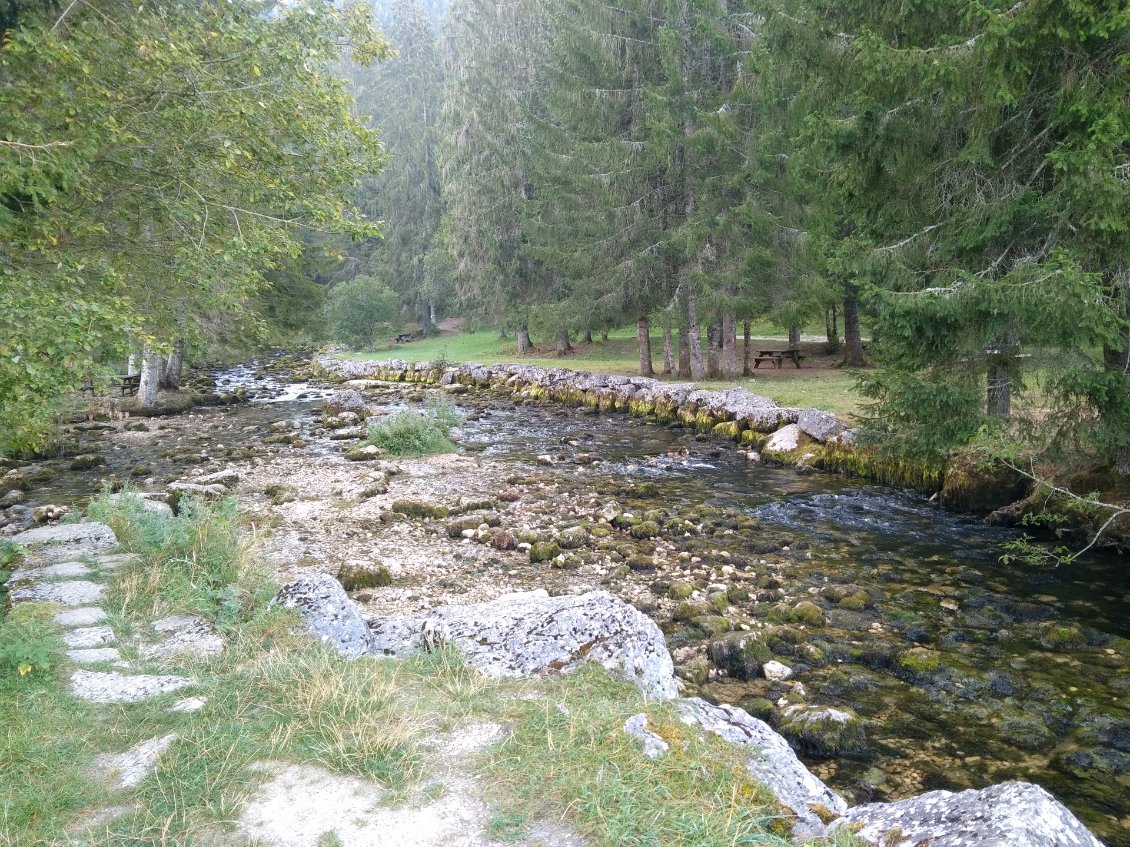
(59,571)
(189,704)
(66,541)
(82,616)
(128,769)
(89,636)
(187,634)
(115,560)
(94,655)
(112,687)
(77,592)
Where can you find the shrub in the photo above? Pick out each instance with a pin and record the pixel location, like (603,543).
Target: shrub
(413,433)
(359,308)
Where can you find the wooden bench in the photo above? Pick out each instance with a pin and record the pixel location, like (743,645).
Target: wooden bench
(127,383)
(407,337)
(777,357)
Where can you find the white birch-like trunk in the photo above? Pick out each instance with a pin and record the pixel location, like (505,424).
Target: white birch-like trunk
(729,344)
(150,377)
(175,365)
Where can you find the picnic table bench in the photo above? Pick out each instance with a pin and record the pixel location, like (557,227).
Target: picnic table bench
(127,383)
(408,337)
(777,356)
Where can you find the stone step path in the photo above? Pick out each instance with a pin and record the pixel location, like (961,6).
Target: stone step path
(67,565)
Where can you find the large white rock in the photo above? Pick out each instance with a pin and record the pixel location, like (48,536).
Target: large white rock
(1018,814)
(330,615)
(819,425)
(771,762)
(531,632)
(784,440)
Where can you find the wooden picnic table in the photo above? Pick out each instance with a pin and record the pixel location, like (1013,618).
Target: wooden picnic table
(128,383)
(777,356)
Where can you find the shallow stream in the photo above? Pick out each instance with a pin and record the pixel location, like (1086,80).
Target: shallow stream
(1022,673)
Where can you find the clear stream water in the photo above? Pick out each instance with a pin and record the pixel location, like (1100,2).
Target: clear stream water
(1034,680)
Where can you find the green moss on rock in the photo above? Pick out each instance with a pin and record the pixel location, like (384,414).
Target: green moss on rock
(356,576)
(644,529)
(806,612)
(543,551)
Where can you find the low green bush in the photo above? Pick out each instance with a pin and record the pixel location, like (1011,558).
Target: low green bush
(412,433)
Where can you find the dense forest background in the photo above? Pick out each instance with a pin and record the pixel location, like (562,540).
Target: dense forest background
(954,175)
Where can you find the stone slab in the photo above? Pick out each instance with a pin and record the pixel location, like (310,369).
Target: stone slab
(82,616)
(128,769)
(94,655)
(89,636)
(60,571)
(78,592)
(115,687)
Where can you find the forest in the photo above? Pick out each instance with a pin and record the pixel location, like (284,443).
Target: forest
(952,176)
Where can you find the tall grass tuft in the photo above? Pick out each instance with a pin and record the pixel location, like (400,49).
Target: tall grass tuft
(410,433)
(198,562)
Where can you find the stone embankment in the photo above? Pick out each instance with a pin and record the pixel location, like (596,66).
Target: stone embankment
(532,633)
(805,438)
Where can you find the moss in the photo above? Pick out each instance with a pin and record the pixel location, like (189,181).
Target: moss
(641,407)
(1059,636)
(86,462)
(720,601)
(456,528)
(856,602)
(687,611)
(572,538)
(736,595)
(355,577)
(625,521)
(917,661)
(759,707)
(543,551)
(712,625)
(741,655)
(1026,732)
(806,612)
(645,529)
(420,509)
(823,731)
(680,590)
(728,429)
(752,438)
(704,420)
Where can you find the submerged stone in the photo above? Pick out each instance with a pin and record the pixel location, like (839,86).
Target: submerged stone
(823,730)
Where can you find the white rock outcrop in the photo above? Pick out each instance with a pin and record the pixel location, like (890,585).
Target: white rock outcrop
(329,614)
(1018,814)
(771,762)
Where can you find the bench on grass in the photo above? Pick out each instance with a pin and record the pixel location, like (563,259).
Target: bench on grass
(777,357)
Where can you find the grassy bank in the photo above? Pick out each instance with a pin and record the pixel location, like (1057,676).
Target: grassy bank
(818,384)
(274,695)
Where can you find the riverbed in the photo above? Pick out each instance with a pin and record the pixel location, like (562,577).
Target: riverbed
(961,671)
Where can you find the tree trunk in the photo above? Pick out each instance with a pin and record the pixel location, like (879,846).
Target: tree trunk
(668,359)
(501,333)
(695,335)
(729,344)
(604,335)
(175,365)
(150,376)
(643,338)
(853,342)
(131,364)
(587,336)
(794,337)
(684,367)
(1118,361)
(831,325)
(713,339)
(998,395)
(563,345)
(524,344)
(747,351)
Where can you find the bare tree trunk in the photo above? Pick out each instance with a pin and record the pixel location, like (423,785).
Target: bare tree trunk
(132,363)
(998,394)
(853,342)
(729,344)
(604,335)
(175,365)
(831,325)
(713,339)
(586,336)
(794,337)
(747,352)
(501,333)
(524,344)
(643,338)
(695,335)
(563,345)
(150,377)
(684,367)
(668,358)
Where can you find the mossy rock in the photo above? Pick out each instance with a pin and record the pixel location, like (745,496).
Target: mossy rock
(357,576)
(86,461)
(543,551)
(736,595)
(502,539)
(822,730)
(973,485)
(806,612)
(1062,636)
(420,509)
(741,654)
(680,590)
(728,429)
(641,564)
(625,521)
(759,707)
(140,470)
(572,538)
(687,611)
(136,426)
(696,671)
(855,602)
(1027,732)
(373,490)
(720,601)
(367,453)
(644,529)
(918,661)
(712,625)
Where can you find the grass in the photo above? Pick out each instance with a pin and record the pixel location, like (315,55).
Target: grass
(833,390)
(410,434)
(276,695)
